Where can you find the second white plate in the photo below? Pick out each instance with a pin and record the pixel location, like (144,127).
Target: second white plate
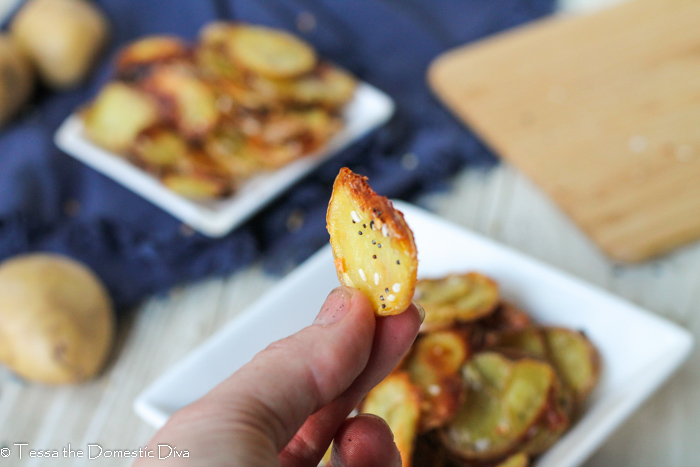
(369,109)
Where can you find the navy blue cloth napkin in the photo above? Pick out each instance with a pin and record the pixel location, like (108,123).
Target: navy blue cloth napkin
(50,202)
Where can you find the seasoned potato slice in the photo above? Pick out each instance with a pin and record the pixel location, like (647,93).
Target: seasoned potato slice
(456,298)
(148,51)
(507,317)
(118,114)
(397,401)
(194,103)
(505,399)
(198,176)
(268,52)
(373,247)
(232,150)
(434,365)
(529,341)
(159,148)
(516,460)
(327,85)
(575,358)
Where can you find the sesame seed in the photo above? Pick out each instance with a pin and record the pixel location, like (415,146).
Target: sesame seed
(374,256)
(381,297)
(362,274)
(364,226)
(398,262)
(383,306)
(391,298)
(379,245)
(396,287)
(385,230)
(386,290)
(374,242)
(355,216)
(371,225)
(360,232)
(376,278)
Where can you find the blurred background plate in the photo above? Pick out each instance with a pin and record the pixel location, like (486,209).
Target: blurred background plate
(639,351)
(369,109)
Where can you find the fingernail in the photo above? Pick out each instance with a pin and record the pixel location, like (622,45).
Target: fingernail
(336,306)
(421,311)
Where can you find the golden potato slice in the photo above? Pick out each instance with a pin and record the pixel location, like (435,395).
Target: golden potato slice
(507,317)
(528,341)
(456,298)
(373,247)
(118,114)
(232,150)
(434,365)
(397,401)
(575,358)
(193,102)
(198,176)
(505,399)
(269,52)
(327,85)
(148,51)
(159,148)
(516,460)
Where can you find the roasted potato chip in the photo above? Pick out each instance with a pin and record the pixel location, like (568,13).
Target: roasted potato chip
(575,358)
(434,365)
(159,148)
(456,298)
(373,247)
(516,460)
(119,113)
(143,53)
(189,99)
(397,401)
(268,52)
(505,399)
(327,85)
(507,317)
(232,150)
(528,341)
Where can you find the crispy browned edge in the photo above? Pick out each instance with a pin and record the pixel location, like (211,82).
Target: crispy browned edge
(367,198)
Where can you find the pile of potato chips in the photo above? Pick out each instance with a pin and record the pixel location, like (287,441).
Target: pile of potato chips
(205,117)
(482,385)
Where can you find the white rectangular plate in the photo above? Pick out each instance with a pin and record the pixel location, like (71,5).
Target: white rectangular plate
(369,109)
(638,349)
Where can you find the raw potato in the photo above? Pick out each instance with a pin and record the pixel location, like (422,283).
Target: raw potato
(62,38)
(56,319)
(373,247)
(16,79)
(397,401)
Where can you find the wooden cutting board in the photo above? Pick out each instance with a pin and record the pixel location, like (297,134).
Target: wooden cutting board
(601,111)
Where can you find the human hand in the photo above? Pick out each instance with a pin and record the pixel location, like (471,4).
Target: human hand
(287,405)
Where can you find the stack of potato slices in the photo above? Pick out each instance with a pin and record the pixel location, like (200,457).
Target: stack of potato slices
(482,385)
(205,117)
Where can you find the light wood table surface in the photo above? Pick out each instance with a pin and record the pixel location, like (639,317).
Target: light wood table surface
(500,203)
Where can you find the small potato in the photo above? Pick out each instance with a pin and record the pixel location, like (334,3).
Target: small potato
(56,319)
(62,38)
(16,79)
